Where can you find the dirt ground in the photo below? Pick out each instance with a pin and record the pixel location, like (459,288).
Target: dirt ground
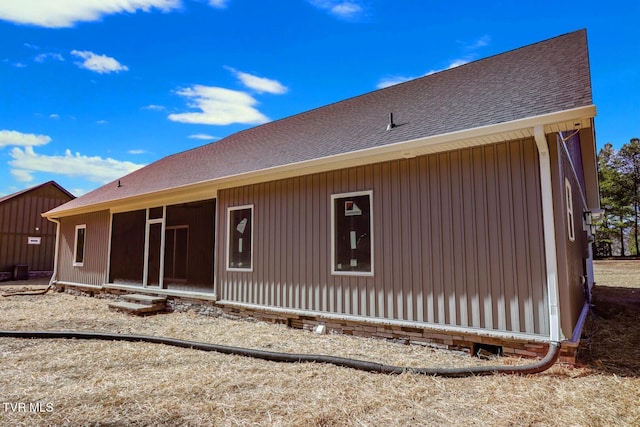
(75,382)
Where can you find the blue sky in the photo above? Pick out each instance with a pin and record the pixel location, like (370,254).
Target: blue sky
(90,90)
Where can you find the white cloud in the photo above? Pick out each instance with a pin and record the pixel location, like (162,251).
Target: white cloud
(470,48)
(102,122)
(218,106)
(346,9)
(66,13)
(15,138)
(26,162)
(21,175)
(394,80)
(137,151)
(203,136)
(101,64)
(54,116)
(219,4)
(456,63)
(49,55)
(478,43)
(259,84)
(154,107)
(340,8)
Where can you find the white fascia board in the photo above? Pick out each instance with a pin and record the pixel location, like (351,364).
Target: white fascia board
(469,137)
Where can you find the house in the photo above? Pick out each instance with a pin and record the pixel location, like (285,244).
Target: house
(27,240)
(452,209)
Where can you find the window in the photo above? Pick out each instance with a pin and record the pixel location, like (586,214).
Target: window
(569,200)
(240,238)
(78,252)
(351,237)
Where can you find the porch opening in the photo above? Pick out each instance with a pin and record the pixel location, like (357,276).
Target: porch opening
(174,251)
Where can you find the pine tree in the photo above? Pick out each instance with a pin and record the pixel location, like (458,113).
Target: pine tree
(619,179)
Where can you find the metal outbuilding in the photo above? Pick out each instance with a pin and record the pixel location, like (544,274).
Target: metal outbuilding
(27,240)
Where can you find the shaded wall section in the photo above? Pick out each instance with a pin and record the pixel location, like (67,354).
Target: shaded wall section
(572,253)
(96,248)
(457,240)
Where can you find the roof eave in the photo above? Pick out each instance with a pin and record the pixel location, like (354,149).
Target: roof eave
(565,120)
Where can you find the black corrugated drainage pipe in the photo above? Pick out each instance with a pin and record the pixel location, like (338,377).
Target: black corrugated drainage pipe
(27,292)
(362,365)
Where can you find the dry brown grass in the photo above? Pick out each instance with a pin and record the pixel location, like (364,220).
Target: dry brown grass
(613,330)
(106,383)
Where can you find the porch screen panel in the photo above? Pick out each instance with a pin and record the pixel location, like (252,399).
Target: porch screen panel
(155,242)
(127,247)
(176,253)
(189,246)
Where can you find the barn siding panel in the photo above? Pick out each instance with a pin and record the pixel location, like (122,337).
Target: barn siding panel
(457,241)
(20,218)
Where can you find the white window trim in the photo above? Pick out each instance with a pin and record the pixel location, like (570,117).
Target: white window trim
(229,210)
(571,231)
(148,224)
(75,245)
(333,233)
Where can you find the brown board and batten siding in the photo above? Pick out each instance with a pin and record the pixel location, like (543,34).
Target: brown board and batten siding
(96,251)
(457,241)
(20,219)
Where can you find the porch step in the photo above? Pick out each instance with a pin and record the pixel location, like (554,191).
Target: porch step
(144,299)
(139,304)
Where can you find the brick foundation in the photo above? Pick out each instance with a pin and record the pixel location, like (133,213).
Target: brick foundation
(408,335)
(461,342)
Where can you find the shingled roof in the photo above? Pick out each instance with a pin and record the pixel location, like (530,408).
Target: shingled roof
(543,78)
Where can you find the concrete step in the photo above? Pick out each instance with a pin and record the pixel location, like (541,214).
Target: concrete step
(134,308)
(145,299)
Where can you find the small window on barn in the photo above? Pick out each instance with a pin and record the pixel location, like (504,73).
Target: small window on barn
(351,233)
(569,200)
(240,238)
(78,251)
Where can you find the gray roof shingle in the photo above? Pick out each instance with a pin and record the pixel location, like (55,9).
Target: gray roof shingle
(545,77)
